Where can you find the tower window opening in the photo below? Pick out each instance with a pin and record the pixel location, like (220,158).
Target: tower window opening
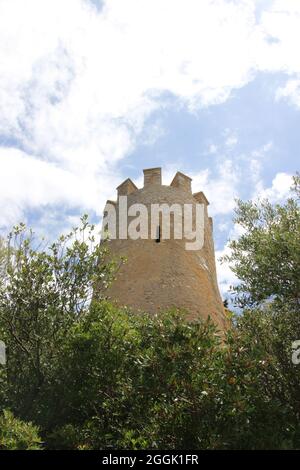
(158,231)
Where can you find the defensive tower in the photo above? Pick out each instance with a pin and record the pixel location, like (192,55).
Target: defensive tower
(161,273)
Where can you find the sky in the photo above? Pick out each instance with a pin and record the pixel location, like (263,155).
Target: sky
(94,91)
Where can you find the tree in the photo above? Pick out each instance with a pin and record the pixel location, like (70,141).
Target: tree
(266,258)
(261,384)
(3,254)
(44,291)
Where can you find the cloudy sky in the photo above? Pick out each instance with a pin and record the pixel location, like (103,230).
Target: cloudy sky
(93,91)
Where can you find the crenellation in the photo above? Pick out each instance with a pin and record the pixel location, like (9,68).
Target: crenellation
(126,188)
(182,181)
(152,176)
(201,198)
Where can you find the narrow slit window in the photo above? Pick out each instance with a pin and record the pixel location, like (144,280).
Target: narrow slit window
(158,234)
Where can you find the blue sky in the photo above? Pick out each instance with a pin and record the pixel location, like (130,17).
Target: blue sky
(92,92)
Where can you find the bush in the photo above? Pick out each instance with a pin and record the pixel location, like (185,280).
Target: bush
(127,381)
(135,381)
(17,435)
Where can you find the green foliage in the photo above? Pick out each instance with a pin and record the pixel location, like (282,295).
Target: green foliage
(266,257)
(134,380)
(3,254)
(263,384)
(45,290)
(17,435)
(128,381)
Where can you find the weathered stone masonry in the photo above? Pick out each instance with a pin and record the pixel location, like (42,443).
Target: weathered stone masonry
(161,275)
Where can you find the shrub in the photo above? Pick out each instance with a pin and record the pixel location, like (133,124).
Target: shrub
(17,435)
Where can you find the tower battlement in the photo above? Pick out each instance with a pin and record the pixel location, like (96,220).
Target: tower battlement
(153,177)
(160,272)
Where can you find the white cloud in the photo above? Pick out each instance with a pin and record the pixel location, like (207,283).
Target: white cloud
(290,91)
(263,150)
(231,141)
(255,163)
(231,138)
(77,84)
(280,188)
(223,226)
(223,185)
(220,188)
(280,25)
(27,182)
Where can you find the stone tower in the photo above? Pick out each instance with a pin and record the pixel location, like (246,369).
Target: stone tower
(161,273)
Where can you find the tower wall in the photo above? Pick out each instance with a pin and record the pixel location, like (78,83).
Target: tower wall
(157,276)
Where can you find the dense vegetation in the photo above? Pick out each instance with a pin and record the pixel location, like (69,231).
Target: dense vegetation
(16,435)
(91,376)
